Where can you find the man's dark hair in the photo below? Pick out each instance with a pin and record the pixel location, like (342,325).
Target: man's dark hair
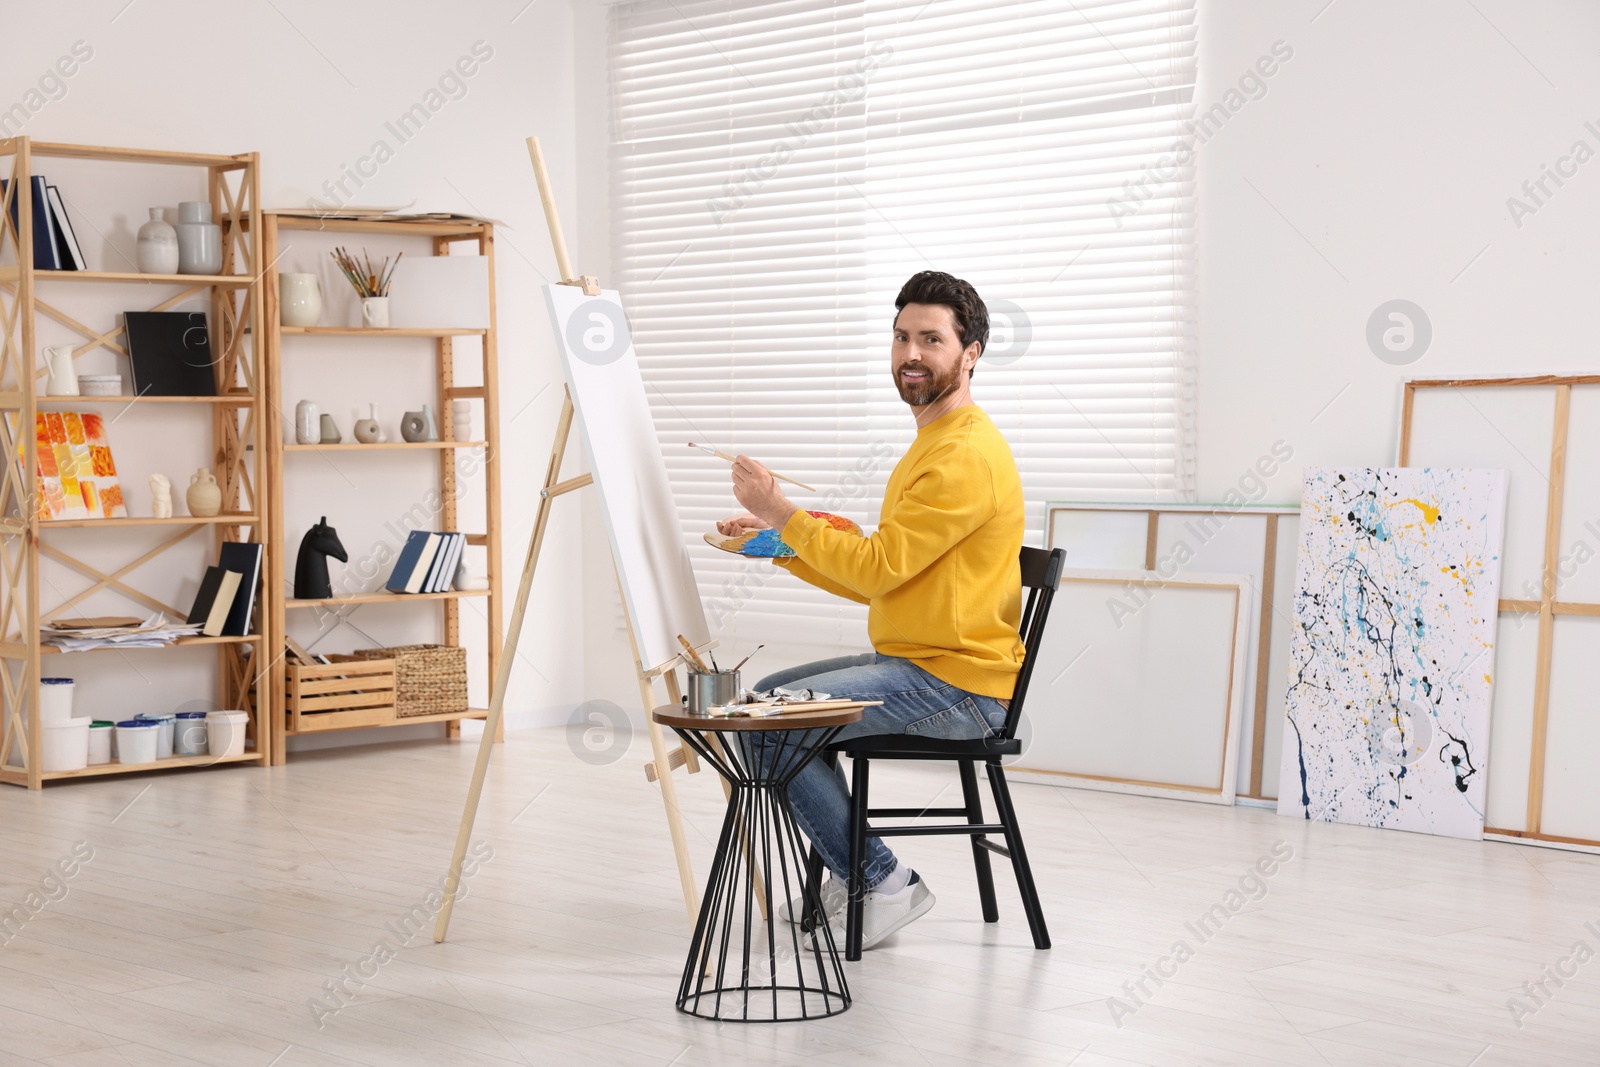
(937,287)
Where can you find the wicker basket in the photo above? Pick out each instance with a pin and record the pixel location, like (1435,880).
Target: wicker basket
(428,679)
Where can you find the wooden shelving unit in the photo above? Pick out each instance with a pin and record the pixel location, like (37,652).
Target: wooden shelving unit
(278,346)
(238,443)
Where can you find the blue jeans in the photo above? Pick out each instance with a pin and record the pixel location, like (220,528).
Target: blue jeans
(914,702)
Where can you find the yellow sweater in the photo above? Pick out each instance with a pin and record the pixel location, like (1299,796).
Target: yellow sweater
(940,573)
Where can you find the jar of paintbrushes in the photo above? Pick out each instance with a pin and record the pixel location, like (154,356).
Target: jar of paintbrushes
(371,283)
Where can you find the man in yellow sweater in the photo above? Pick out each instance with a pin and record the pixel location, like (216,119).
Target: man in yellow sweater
(939,575)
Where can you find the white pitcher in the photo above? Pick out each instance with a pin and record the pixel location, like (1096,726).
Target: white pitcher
(299,299)
(63,371)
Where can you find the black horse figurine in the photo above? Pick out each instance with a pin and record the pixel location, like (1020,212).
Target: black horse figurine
(311,569)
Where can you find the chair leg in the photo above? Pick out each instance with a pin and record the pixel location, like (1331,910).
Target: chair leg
(858,858)
(813,890)
(1019,855)
(980,855)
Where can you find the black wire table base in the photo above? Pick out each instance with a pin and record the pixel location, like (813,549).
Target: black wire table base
(746,962)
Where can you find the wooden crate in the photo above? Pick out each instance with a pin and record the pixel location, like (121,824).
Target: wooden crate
(349,692)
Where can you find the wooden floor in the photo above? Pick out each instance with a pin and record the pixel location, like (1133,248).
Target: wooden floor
(219,906)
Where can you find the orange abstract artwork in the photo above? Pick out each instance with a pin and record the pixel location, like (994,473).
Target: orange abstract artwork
(77,477)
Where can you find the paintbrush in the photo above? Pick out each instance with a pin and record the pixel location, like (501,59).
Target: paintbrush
(753,651)
(735,459)
(694,657)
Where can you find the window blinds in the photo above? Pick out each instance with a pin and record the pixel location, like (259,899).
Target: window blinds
(780,168)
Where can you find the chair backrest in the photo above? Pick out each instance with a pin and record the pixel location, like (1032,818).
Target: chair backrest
(1041,574)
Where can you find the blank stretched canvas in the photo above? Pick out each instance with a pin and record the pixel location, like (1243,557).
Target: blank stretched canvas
(1392,663)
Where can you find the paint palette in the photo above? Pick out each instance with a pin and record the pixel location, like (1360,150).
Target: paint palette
(766,544)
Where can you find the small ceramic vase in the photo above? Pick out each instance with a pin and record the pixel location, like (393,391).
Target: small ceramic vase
(307,423)
(433,427)
(330,431)
(205,495)
(366,430)
(375,312)
(199,239)
(157,249)
(461,420)
(413,427)
(299,299)
(63,371)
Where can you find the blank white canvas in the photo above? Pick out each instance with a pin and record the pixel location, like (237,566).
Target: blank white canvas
(1496,428)
(1396,608)
(658,585)
(1143,700)
(440,292)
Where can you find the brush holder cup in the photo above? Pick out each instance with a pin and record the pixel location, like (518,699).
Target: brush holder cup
(706,690)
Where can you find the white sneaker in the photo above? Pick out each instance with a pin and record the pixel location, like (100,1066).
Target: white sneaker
(883,914)
(834,895)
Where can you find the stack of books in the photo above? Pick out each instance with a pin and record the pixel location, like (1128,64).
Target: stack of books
(427,563)
(227,594)
(55,246)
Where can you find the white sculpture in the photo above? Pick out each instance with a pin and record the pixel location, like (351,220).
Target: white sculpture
(160,496)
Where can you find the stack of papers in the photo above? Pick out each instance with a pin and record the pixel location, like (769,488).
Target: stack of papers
(389,213)
(153,632)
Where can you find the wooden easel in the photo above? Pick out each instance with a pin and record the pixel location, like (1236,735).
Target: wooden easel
(660,768)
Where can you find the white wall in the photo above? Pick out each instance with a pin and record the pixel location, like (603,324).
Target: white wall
(1377,166)
(311,87)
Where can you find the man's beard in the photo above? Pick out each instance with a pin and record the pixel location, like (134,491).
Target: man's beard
(933,388)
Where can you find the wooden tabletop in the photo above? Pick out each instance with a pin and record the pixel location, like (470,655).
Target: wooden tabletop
(679,717)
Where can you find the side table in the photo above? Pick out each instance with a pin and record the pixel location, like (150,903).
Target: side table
(746,964)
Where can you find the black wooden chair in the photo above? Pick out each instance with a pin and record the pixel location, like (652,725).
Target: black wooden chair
(1041,573)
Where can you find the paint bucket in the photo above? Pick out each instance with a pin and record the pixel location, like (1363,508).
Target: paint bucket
(714,687)
(136,740)
(64,746)
(190,738)
(55,699)
(101,734)
(225,732)
(168,725)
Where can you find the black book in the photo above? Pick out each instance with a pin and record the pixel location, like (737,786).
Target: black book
(244,557)
(218,593)
(170,352)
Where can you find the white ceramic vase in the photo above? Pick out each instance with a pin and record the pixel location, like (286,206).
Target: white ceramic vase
(199,239)
(299,299)
(307,423)
(157,248)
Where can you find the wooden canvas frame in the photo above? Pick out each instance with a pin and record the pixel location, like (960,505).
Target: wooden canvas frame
(1547,606)
(1265,594)
(1224,790)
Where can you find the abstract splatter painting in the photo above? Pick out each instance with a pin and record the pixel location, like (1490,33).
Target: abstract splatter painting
(1390,676)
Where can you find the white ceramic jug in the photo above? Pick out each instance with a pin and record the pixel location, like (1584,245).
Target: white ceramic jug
(299,299)
(63,371)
